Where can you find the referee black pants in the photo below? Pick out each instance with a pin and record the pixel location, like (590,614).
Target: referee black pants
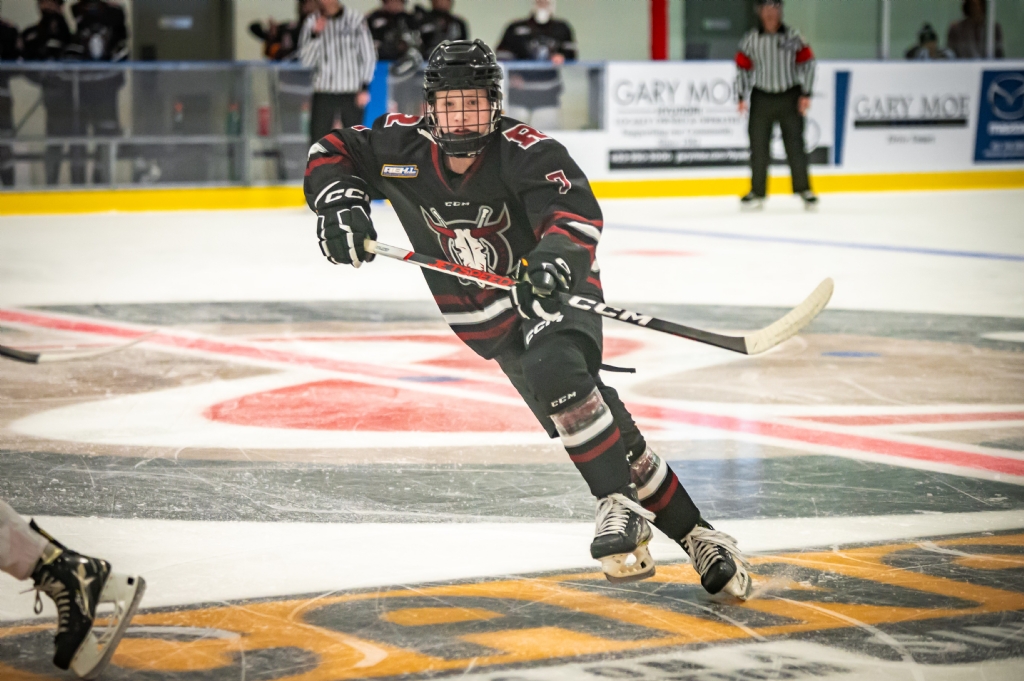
(328,106)
(765,109)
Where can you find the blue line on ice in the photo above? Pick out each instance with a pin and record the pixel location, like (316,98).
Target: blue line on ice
(821,242)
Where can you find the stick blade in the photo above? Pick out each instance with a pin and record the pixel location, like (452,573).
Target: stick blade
(19,355)
(792,322)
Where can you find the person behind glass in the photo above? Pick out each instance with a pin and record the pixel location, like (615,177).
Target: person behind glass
(101,36)
(335,42)
(395,32)
(533,95)
(775,69)
(928,46)
(439,24)
(281,41)
(967,37)
(10,50)
(48,41)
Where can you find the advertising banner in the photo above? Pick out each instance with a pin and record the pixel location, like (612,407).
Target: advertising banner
(907,116)
(682,115)
(1001,117)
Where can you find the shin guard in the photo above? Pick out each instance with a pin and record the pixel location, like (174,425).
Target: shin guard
(590,436)
(660,492)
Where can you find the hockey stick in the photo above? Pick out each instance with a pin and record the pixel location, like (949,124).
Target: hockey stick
(752,343)
(48,357)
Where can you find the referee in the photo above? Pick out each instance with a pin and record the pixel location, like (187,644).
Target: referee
(335,42)
(775,70)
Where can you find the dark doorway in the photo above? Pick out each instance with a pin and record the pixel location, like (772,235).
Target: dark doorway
(713,28)
(184,30)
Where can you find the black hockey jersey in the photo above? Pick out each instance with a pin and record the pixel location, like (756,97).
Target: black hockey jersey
(393,34)
(101,33)
(522,188)
(437,26)
(532,41)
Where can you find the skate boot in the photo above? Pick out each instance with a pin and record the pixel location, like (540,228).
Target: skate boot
(621,536)
(751,202)
(810,200)
(78,585)
(717,560)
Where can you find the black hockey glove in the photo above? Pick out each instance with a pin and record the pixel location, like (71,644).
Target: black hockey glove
(342,232)
(541,276)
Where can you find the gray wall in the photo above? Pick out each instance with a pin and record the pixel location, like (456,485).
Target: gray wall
(618,29)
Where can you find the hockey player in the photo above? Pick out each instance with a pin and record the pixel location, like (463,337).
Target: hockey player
(78,585)
(477,188)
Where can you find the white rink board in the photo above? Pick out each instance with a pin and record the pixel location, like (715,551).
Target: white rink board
(866,117)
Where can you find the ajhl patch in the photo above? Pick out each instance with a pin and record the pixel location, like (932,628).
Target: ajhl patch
(399,171)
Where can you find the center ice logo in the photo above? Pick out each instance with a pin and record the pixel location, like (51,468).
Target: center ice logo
(479,243)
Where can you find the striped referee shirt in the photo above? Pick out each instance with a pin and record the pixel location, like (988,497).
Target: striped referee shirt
(342,55)
(774,62)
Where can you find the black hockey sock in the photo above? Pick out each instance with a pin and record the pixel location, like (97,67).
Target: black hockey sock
(601,461)
(632,439)
(676,513)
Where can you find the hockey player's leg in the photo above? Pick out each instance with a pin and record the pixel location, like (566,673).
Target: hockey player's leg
(556,369)
(78,585)
(713,554)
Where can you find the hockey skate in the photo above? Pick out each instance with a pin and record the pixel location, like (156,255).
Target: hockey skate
(78,585)
(810,200)
(752,202)
(621,536)
(718,561)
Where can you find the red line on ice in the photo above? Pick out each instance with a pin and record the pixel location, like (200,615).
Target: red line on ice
(867,444)
(899,419)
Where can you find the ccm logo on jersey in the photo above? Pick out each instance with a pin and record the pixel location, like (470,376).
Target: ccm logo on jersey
(350,193)
(524,135)
(558,176)
(581,303)
(401,119)
(399,171)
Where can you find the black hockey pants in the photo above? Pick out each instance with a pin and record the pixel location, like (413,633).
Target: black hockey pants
(765,109)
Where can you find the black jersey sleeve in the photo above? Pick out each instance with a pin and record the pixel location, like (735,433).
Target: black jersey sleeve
(340,167)
(563,212)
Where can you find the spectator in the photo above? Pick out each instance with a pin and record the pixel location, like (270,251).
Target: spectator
(101,36)
(395,32)
(967,37)
(48,40)
(335,42)
(533,95)
(928,46)
(439,24)
(776,70)
(10,50)
(281,41)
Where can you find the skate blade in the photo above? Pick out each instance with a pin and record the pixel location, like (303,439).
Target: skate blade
(811,207)
(740,585)
(751,208)
(619,567)
(125,593)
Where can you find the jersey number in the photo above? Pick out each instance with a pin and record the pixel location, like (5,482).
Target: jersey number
(401,119)
(558,176)
(524,135)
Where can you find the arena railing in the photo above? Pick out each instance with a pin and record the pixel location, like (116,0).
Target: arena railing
(78,125)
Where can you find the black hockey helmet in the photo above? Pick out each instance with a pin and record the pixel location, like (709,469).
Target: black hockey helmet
(462,65)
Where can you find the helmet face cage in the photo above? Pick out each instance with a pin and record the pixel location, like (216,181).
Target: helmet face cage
(465,144)
(463,65)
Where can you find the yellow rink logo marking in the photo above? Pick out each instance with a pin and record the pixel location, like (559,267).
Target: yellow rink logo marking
(563,609)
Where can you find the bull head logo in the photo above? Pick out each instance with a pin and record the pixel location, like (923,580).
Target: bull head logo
(479,243)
